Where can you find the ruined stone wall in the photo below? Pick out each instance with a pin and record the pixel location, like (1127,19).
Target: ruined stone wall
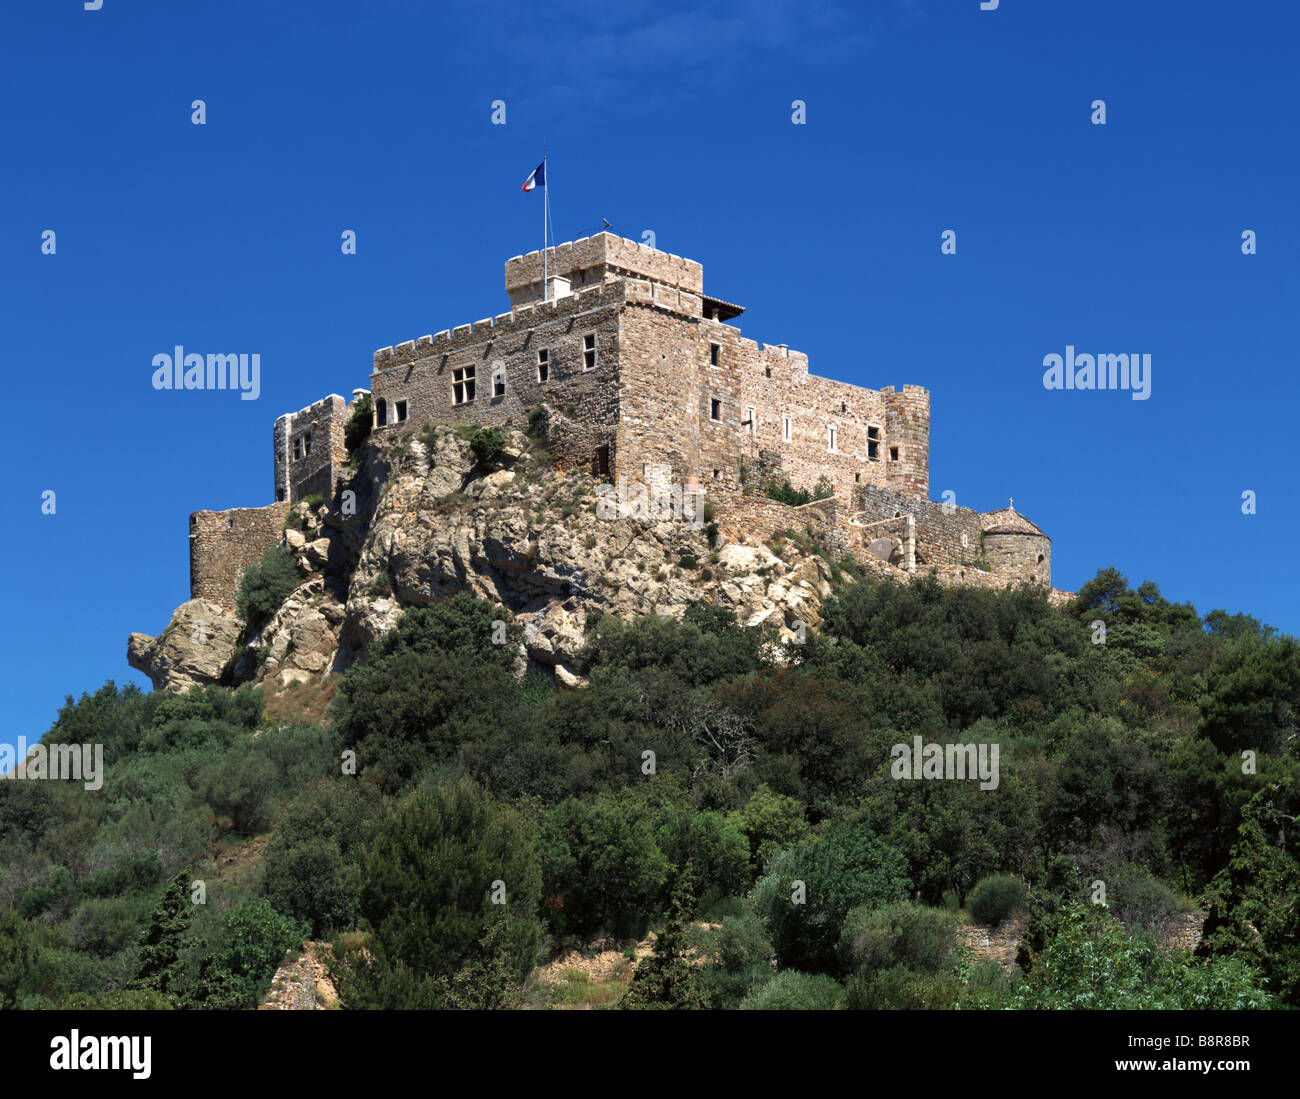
(1020,556)
(756,519)
(224,543)
(938,534)
(316,435)
(422,373)
(598,259)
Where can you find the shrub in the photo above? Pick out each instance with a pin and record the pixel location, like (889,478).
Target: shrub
(795,991)
(358,426)
(536,420)
(906,934)
(239,787)
(785,494)
(994,899)
(1142,901)
(266,584)
(902,989)
(823,489)
(486,443)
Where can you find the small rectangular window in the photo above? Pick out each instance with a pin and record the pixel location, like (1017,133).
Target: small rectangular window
(830,438)
(873,451)
(306,444)
(715,353)
(462,385)
(785,428)
(751,420)
(873,433)
(893,453)
(543,364)
(589,351)
(297,448)
(715,409)
(498,385)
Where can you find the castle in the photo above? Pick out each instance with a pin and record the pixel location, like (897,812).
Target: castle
(613,351)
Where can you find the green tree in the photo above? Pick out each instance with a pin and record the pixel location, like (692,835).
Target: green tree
(266,584)
(164,940)
(669,978)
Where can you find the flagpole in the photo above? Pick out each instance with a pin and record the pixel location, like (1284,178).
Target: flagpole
(546,291)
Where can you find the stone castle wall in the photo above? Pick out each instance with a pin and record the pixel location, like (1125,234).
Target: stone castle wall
(224,543)
(1014,554)
(422,373)
(598,259)
(939,534)
(316,435)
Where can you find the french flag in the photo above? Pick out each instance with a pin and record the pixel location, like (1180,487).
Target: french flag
(538,177)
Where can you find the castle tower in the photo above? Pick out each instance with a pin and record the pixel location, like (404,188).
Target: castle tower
(1015,547)
(907,440)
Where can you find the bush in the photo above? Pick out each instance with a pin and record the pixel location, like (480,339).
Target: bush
(994,899)
(259,938)
(785,494)
(903,989)
(843,869)
(486,443)
(795,991)
(1142,901)
(266,584)
(239,787)
(358,426)
(904,934)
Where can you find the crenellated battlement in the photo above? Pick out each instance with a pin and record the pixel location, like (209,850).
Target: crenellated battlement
(597,259)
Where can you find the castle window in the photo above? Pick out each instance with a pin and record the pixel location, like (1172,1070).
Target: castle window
(499,384)
(751,420)
(399,408)
(715,353)
(381,412)
(857,478)
(297,448)
(768,371)
(543,364)
(843,407)
(462,385)
(893,453)
(873,443)
(785,428)
(715,409)
(716,474)
(602,460)
(589,351)
(1040,558)
(830,439)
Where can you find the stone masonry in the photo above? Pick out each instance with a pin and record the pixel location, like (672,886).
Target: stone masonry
(623,364)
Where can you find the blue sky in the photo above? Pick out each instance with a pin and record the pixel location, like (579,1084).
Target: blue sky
(921,117)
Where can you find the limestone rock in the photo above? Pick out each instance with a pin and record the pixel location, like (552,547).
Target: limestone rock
(196,647)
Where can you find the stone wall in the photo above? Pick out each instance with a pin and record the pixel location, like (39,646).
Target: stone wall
(593,260)
(939,535)
(224,543)
(309,449)
(422,373)
(1020,555)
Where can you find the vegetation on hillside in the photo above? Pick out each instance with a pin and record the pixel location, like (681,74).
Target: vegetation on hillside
(454,822)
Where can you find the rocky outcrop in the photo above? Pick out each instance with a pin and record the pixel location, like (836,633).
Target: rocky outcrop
(197,646)
(422,519)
